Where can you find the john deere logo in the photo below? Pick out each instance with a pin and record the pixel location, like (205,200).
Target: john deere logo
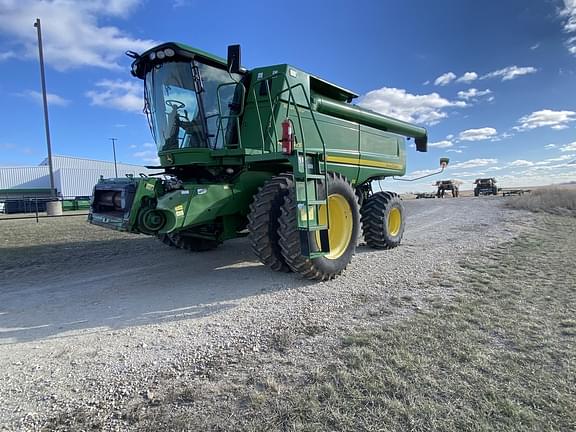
(169,158)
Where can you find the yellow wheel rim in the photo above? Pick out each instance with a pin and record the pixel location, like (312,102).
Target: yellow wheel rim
(341,225)
(394,221)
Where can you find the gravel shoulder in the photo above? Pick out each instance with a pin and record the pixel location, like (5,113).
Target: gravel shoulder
(96,321)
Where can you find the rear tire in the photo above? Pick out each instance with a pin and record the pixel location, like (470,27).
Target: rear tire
(263,222)
(383,220)
(343,231)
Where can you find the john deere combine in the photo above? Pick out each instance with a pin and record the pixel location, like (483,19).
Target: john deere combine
(274,153)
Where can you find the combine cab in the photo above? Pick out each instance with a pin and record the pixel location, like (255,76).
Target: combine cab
(274,153)
(485,186)
(447,185)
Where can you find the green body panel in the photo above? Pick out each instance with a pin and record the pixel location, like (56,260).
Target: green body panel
(216,186)
(198,204)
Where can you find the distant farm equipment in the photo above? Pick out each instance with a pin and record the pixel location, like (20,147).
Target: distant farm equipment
(424,195)
(485,186)
(515,192)
(448,185)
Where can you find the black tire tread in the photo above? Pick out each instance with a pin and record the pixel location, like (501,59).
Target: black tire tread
(374,226)
(263,221)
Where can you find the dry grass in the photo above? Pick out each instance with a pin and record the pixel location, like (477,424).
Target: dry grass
(553,200)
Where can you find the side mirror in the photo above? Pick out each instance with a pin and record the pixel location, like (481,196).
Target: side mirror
(444,162)
(233,59)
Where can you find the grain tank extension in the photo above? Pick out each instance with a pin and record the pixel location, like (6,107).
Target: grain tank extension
(273,153)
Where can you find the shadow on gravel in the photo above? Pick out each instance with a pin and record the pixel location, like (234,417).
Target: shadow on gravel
(60,290)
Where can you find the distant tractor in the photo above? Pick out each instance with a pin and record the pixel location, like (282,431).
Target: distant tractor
(448,185)
(273,153)
(424,195)
(485,186)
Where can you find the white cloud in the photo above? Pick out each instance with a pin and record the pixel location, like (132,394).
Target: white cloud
(469,174)
(421,173)
(468,77)
(428,108)
(147,156)
(473,163)
(53,99)
(473,93)
(561,158)
(445,79)
(478,134)
(546,118)
(510,72)
(7,55)
(569,147)
(535,46)
(441,144)
(521,163)
(454,151)
(569,16)
(122,95)
(550,146)
(73,31)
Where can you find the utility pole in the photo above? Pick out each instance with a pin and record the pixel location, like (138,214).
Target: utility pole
(114,151)
(45,100)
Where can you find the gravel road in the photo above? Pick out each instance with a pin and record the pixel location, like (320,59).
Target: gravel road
(97,319)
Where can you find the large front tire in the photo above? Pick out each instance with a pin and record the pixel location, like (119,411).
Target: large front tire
(263,222)
(343,231)
(383,220)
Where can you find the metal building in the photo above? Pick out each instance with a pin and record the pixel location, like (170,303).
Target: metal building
(73,177)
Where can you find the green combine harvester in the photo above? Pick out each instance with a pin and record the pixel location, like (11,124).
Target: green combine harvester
(273,153)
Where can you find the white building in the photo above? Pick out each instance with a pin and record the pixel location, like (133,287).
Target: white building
(72,176)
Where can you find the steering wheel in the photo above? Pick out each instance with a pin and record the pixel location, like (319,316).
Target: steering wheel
(175,104)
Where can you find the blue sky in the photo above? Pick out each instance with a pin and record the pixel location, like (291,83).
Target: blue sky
(494,81)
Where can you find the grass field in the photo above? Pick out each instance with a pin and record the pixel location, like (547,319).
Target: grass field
(554,200)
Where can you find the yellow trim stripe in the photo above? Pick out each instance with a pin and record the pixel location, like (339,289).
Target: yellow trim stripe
(363,162)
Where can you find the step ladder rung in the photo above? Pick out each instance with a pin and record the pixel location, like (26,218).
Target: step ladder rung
(314,227)
(313,202)
(300,176)
(317,254)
